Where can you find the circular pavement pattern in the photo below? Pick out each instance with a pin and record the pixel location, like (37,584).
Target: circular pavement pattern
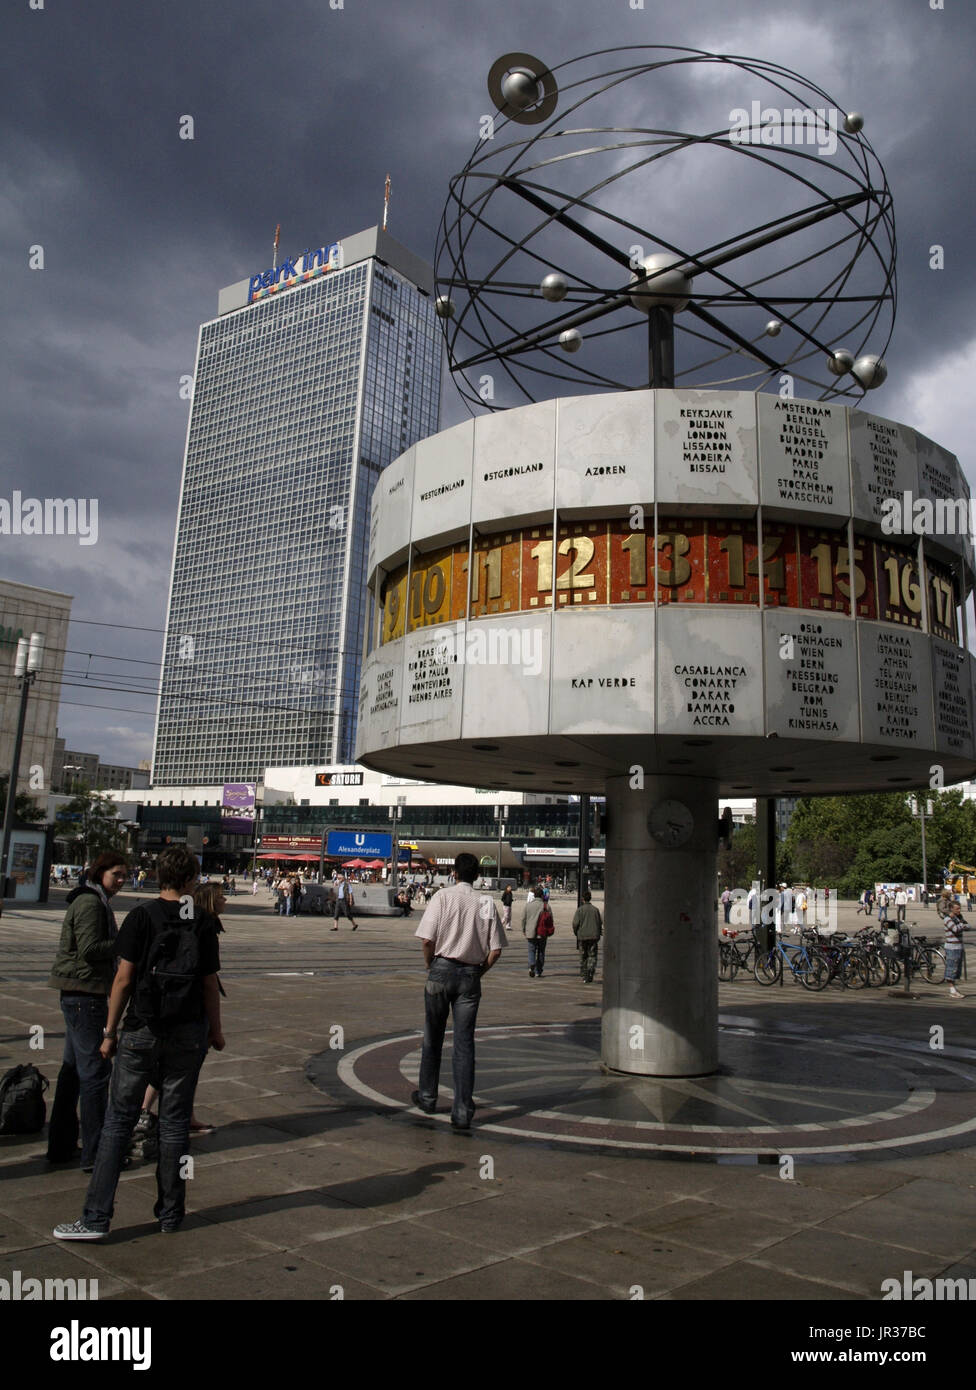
(783,1089)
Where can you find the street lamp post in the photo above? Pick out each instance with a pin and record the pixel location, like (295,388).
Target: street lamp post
(26,665)
(501,816)
(922,814)
(395,814)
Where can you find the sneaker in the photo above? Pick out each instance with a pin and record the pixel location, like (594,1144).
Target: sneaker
(169,1228)
(77,1230)
(955,993)
(531,974)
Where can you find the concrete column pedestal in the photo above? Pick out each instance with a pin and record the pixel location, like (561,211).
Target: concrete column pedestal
(660,959)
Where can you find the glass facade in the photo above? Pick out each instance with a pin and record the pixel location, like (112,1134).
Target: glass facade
(545,824)
(300,401)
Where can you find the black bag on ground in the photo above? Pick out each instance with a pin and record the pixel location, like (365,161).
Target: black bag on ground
(22,1107)
(168,984)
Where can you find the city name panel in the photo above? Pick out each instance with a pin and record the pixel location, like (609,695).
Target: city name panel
(766,591)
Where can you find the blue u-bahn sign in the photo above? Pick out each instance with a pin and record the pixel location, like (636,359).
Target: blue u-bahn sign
(359,844)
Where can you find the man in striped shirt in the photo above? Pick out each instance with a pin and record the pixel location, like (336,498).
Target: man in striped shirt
(955,925)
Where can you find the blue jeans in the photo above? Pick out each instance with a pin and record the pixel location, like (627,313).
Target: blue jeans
(172,1063)
(537,953)
(450,986)
(84,1073)
(953,966)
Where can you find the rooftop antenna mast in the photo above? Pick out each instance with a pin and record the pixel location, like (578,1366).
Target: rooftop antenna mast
(386,201)
(277,240)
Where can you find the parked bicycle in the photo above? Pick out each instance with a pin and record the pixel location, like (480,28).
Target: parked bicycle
(927,960)
(735,955)
(805,965)
(843,958)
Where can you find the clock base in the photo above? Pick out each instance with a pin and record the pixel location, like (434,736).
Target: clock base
(660,990)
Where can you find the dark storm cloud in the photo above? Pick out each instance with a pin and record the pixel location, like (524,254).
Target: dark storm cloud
(300,110)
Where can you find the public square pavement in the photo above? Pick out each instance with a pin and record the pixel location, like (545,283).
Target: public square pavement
(836,1148)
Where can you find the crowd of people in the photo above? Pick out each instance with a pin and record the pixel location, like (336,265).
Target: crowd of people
(141,1000)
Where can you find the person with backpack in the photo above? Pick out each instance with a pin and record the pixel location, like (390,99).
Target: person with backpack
(167,976)
(207,897)
(537,927)
(587,928)
(83,973)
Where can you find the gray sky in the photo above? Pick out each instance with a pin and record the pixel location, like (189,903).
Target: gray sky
(299,112)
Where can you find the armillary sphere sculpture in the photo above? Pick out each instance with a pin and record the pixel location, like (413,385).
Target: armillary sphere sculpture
(561,205)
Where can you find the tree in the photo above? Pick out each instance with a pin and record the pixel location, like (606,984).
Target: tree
(89,826)
(738,865)
(25,807)
(853,842)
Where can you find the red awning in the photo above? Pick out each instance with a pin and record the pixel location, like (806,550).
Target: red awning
(286,854)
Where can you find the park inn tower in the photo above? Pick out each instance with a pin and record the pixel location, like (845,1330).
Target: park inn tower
(314,375)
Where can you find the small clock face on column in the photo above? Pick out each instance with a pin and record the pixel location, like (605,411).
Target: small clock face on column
(671,824)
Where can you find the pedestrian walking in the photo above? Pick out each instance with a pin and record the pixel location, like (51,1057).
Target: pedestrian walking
(171,1013)
(801,906)
(344,903)
(83,971)
(901,903)
(588,928)
(462,939)
(882,906)
(532,920)
(507,900)
(726,901)
(297,895)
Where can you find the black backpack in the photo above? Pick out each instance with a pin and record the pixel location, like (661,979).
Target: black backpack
(168,984)
(22,1107)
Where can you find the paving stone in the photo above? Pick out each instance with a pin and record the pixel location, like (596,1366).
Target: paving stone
(431,1187)
(848,1265)
(513,1280)
(140,1254)
(14,1235)
(618,1258)
(737,1233)
(399,1256)
(922,1216)
(65,1260)
(515,1222)
(269,1277)
(294,1219)
(748,1282)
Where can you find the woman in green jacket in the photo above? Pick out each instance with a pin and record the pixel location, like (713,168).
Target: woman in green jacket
(83,974)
